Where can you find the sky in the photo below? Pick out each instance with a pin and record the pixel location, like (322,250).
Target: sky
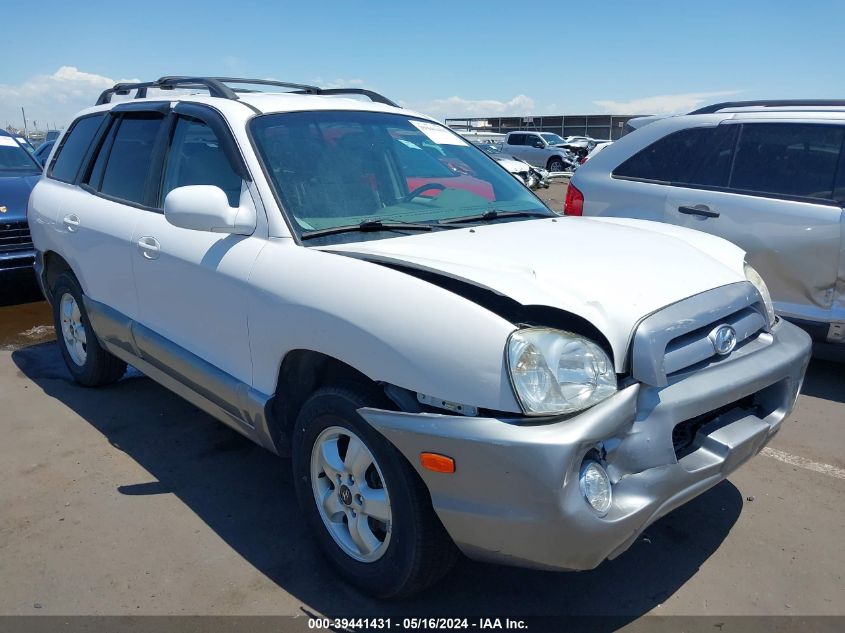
(447,59)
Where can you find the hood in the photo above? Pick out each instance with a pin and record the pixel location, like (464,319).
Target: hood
(14,195)
(511,164)
(610,271)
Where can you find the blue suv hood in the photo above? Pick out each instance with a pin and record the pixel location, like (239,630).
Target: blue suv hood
(14,195)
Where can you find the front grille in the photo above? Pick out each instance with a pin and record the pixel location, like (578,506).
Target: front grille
(694,347)
(677,338)
(14,236)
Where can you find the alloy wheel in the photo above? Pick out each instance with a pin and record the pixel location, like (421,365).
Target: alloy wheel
(350,494)
(73,331)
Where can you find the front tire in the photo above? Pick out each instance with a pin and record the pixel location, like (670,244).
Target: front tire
(555,164)
(88,363)
(368,509)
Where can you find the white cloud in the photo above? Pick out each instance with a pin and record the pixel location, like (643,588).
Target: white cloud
(50,99)
(455,107)
(663,104)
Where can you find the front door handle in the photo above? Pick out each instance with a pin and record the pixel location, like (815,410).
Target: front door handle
(71,222)
(149,247)
(701,210)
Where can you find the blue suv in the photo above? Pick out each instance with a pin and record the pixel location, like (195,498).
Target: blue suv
(19,172)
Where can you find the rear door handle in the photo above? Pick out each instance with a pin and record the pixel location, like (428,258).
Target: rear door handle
(700,209)
(149,247)
(71,222)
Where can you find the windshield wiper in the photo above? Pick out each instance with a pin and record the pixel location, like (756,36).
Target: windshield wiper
(493,214)
(366,226)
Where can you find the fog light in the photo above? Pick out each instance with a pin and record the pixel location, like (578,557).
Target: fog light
(595,486)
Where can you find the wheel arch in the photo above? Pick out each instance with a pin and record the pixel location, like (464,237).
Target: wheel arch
(54,265)
(553,158)
(301,373)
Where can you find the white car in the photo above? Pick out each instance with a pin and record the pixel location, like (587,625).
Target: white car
(451,366)
(599,147)
(532,177)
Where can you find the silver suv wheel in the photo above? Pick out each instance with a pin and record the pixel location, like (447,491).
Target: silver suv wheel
(350,494)
(73,331)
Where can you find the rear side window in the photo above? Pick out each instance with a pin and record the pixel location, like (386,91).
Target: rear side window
(196,158)
(516,139)
(790,159)
(129,157)
(74,147)
(672,159)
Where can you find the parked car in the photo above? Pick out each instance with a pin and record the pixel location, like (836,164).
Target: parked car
(532,177)
(597,148)
(441,378)
(18,174)
(541,149)
(43,151)
(25,144)
(768,176)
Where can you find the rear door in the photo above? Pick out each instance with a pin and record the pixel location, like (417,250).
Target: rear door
(101,200)
(515,145)
(770,187)
(638,187)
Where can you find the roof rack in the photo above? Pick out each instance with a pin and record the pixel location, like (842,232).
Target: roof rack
(770,103)
(217,87)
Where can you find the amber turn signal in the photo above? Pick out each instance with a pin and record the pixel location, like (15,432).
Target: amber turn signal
(437,463)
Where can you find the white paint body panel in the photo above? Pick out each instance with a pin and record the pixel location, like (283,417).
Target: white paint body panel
(610,272)
(388,325)
(98,249)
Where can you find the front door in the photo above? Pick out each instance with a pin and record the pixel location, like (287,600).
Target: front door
(192,285)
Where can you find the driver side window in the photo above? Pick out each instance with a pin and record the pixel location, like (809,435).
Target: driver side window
(196,158)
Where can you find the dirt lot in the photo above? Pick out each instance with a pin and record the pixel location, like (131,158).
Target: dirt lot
(128,500)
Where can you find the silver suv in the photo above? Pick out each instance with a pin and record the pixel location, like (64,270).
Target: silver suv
(541,149)
(768,176)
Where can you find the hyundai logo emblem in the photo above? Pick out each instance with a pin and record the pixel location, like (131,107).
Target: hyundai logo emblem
(724,339)
(346,495)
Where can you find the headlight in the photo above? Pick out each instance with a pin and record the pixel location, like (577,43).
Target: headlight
(558,372)
(754,277)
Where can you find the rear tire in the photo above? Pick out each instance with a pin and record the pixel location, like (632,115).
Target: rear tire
(88,363)
(386,508)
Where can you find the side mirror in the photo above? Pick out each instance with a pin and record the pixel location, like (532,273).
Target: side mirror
(539,144)
(206,208)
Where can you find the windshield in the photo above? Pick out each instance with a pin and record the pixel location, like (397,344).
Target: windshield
(552,139)
(15,160)
(341,168)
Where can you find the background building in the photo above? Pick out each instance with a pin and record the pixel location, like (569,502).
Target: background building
(598,126)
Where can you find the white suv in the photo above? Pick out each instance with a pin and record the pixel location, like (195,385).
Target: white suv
(451,365)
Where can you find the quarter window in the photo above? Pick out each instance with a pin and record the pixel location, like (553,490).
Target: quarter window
(196,158)
(672,159)
(790,159)
(74,146)
(129,158)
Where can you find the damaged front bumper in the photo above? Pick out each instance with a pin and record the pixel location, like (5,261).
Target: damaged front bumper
(515,496)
